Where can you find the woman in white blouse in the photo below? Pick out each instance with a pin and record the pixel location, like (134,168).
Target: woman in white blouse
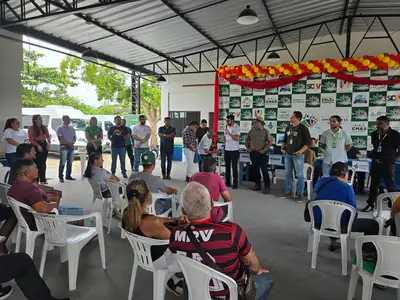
(13,135)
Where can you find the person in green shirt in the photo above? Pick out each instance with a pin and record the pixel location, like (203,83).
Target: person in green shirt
(94,136)
(128,144)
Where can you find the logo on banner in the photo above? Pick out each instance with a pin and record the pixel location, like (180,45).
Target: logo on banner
(285,89)
(271,100)
(270,125)
(297,99)
(328,99)
(359,128)
(313,86)
(360,142)
(309,120)
(360,99)
(393,113)
(271,114)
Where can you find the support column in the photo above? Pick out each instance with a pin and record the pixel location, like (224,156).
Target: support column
(135,92)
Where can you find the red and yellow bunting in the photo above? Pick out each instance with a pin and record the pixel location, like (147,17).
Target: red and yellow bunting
(329,65)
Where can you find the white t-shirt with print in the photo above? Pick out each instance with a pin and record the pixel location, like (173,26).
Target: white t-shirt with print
(141,131)
(205,143)
(230,143)
(19,136)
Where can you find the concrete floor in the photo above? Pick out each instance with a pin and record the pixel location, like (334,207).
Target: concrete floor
(274,226)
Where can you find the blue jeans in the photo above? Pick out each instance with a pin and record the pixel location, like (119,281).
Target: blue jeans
(296,162)
(11,157)
(138,153)
(115,152)
(162,205)
(66,156)
(326,168)
(264,284)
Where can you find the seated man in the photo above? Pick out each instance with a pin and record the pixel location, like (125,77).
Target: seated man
(20,266)
(204,148)
(226,243)
(26,190)
(156,185)
(336,188)
(27,151)
(213,182)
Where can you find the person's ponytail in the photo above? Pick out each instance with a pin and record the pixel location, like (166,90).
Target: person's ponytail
(138,194)
(92,158)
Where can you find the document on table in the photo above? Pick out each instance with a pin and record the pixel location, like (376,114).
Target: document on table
(275,160)
(360,165)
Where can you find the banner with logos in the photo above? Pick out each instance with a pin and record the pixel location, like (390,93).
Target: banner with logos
(318,97)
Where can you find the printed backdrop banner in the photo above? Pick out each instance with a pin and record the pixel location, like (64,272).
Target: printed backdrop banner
(317,96)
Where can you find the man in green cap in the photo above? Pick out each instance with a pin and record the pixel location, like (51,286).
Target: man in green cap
(155,183)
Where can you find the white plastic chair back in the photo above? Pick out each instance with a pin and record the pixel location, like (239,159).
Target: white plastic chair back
(306,168)
(97,191)
(379,201)
(154,196)
(331,212)
(16,207)
(116,197)
(141,248)
(4,187)
(352,175)
(198,277)
(229,215)
(54,227)
(387,269)
(4,173)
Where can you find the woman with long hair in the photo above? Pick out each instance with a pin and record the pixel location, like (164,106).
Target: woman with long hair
(137,220)
(94,136)
(40,138)
(96,174)
(13,135)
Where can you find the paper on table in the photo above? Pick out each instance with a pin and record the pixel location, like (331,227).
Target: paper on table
(360,165)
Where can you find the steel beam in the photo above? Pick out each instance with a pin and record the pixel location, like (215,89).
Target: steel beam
(349,27)
(193,25)
(346,4)
(135,93)
(388,34)
(65,44)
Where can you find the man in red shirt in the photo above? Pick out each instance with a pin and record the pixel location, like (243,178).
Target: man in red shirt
(213,182)
(226,243)
(26,190)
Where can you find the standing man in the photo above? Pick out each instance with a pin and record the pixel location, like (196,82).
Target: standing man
(128,144)
(336,142)
(67,137)
(189,142)
(117,134)
(204,148)
(94,136)
(202,130)
(167,134)
(257,143)
(231,153)
(295,142)
(141,134)
(386,143)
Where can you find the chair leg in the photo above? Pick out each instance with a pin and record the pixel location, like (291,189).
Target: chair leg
(294,187)
(64,254)
(30,245)
(73,262)
(367,288)
(310,241)
(100,237)
(14,235)
(353,283)
(309,183)
(343,241)
(133,277)
(398,294)
(159,277)
(111,208)
(43,260)
(18,241)
(314,254)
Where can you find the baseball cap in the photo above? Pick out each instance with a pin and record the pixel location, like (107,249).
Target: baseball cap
(148,158)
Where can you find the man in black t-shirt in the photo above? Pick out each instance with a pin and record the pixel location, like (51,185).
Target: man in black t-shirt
(167,134)
(202,130)
(386,143)
(296,140)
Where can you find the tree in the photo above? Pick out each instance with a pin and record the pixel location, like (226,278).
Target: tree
(150,100)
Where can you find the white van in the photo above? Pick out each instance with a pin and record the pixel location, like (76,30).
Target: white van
(104,122)
(52,118)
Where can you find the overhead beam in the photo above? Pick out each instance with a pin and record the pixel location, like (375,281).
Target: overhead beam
(71,46)
(48,12)
(194,25)
(349,27)
(346,4)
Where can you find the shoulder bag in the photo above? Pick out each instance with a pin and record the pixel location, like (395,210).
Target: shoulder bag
(245,285)
(307,216)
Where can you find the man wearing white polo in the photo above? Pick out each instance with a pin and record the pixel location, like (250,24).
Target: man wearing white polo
(336,143)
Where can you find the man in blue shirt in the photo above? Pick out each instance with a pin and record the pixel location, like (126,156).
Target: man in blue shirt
(117,135)
(336,188)
(167,134)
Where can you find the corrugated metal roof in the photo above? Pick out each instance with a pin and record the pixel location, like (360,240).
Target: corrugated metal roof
(155,25)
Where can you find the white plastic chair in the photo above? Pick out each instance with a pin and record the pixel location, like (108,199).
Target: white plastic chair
(229,215)
(117,200)
(4,173)
(23,227)
(4,187)
(381,216)
(353,172)
(141,249)
(387,269)
(151,208)
(105,202)
(70,238)
(198,276)
(308,180)
(331,212)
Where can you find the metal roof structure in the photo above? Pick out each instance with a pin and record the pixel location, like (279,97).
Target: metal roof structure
(175,36)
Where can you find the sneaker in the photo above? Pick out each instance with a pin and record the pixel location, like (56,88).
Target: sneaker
(368,208)
(164,177)
(168,177)
(256,187)
(125,176)
(334,247)
(187,179)
(62,180)
(69,178)
(44,182)
(5,292)
(235,186)
(175,288)
(299,198)
(286,196)
(266,190)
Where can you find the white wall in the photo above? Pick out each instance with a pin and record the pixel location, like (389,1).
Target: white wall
(11,65)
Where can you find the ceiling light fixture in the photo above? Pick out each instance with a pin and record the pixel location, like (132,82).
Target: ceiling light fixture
(247,16)
(273,56)
(161,78)
(89,55)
